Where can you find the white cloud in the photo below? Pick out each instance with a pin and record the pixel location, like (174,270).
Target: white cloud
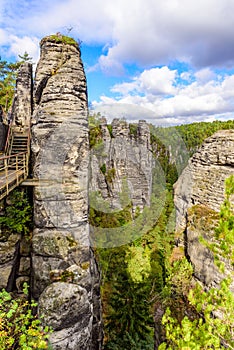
(147,32)
(154,32)
(204,75)
(19,46)
(203,98)
(155,81)
(158,81)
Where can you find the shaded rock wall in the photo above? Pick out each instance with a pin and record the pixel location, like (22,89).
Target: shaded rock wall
(64,269)
(3,134)
(199,192)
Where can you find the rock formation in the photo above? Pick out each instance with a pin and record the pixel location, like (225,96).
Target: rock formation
(21,109)
(65,274)
(121,179)
(198,194)
(3,134)
(121,157)
(15,254)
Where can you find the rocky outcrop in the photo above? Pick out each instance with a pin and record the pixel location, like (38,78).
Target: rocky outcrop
(123,161)
(64,269)
(121,176)
(21,109)
(198,195)
(3,134)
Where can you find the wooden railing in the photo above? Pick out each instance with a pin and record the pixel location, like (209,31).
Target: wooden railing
(13,170)
(8,140)
(13,167)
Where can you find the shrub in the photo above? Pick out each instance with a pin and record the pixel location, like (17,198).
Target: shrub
(18,214)
(19,328)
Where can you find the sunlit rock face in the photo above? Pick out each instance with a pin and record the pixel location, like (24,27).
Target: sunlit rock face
(199,193)
(64,269)
(21,108)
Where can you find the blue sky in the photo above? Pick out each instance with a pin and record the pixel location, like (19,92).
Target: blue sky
(166,61)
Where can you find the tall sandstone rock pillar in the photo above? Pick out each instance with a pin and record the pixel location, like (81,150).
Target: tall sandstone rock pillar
(65,275)
(21,109)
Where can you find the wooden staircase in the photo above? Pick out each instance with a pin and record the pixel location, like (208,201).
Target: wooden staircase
(14,162)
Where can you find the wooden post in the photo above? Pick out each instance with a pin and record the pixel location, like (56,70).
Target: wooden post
(17,169)
(6,174)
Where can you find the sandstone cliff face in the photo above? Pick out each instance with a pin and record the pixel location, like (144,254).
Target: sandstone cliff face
(64,269)
(199,192)
(21,109)
(123,157)
(121,175)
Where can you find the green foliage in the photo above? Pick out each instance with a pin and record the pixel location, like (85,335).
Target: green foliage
(141,270)
(110,175)
(130,310)
(179,278)
(138,263)
(19,328)
(110,128)
(58,38)
(8,72)
(194,134)
(212,330)
(172,146)
(25,57)
(128,343)
(18,214)
(110,220)
(103,168)
(225,230)
(133,129)
(131,276)
(95,132)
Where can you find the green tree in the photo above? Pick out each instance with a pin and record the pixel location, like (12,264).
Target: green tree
(25,57)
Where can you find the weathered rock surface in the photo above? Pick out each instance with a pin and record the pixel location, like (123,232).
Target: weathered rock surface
(66,307)
(21,109)
(122,165)
(63,263)
(9,248)
(199,192)
(3,134)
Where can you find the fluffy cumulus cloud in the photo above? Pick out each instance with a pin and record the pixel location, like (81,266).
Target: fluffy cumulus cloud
(155,81)
(148,32)
(203,96)
(27,44)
